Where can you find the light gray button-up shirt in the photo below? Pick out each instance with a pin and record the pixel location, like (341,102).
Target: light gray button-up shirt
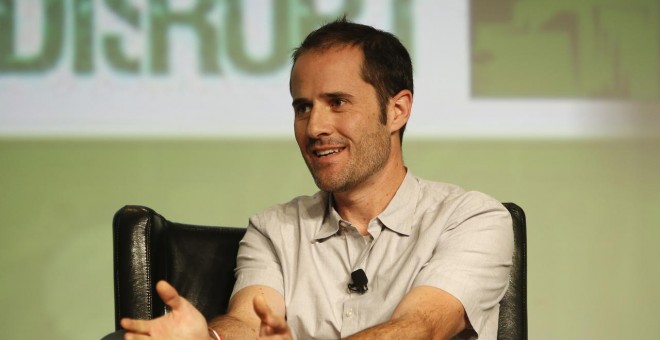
(430,234)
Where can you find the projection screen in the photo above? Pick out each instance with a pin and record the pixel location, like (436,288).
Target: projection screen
(220,67)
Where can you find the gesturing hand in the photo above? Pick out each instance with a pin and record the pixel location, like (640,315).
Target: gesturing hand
(184,321)
(273,327)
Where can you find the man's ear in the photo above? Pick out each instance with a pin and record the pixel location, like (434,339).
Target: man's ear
(399,109)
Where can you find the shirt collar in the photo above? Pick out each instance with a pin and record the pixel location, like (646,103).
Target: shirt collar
(331,218)
(397,216)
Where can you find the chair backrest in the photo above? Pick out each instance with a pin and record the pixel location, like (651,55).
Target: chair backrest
(200,260)
(513,307)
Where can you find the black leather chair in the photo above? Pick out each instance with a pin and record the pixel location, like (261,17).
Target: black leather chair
(199,261)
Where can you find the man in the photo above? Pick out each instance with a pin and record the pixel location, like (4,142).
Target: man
(436,257)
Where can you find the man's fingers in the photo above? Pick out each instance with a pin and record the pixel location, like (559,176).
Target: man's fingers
(270,323)
(168,294)
(278,324)
(261,307)
(135,325)
(134,336)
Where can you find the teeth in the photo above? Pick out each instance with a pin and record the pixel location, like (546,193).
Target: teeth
(326,152)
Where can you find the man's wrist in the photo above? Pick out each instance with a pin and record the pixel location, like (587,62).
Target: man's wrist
(214,334)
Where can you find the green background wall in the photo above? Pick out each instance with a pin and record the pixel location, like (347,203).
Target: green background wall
(592,209)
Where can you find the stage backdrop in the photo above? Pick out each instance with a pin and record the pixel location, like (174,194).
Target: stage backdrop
(220,68)
(183,106)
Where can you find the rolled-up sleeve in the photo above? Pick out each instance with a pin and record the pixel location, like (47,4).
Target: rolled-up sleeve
(257,262)
(473,257)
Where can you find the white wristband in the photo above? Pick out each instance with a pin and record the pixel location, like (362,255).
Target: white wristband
(214,334)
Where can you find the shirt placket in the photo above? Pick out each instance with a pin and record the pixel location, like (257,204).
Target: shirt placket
(350,317)
(356,245)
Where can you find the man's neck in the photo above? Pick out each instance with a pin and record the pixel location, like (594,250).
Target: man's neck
(364,202)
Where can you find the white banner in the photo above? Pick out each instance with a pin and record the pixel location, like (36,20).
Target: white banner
(221,67)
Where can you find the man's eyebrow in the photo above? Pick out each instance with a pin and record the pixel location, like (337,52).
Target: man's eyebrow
(337,94)
(328,95)
(299,101)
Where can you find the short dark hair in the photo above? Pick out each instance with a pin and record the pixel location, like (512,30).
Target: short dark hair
(386,65)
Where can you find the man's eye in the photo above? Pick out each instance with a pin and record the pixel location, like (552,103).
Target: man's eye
(336,102)
(302,109)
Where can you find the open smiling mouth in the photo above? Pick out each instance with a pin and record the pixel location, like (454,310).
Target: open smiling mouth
(324,153)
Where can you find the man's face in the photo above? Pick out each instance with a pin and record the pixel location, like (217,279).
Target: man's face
(337,119)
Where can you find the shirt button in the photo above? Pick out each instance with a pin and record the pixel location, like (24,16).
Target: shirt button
(349,313)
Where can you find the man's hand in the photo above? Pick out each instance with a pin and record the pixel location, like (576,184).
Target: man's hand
(183,321)
(273,327)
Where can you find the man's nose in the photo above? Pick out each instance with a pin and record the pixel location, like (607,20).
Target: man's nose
(320,122)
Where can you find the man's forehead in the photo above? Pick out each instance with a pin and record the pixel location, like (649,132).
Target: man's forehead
(337,52)
(334,69)
(341,60)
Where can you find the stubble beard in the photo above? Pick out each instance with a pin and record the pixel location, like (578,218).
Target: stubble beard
(370,156)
